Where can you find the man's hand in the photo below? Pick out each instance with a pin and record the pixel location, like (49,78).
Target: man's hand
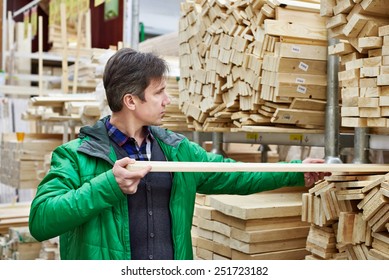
(128,181)
(312,177)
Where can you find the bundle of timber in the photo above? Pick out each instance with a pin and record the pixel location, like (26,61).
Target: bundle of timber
(362,28)
(22,159)
(61,108)
(349,216)
(253,62)
(246,152)
(261,226)
(21,245)
(13,215)
(16,241)
(83,76)
(174,119)
(49,249)
(166,45)
(69,24)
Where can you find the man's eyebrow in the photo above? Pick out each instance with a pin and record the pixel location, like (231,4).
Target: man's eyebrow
(162,87)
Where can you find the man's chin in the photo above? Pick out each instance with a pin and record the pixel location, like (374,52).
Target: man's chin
(157,123)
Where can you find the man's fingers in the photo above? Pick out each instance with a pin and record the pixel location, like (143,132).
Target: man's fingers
(313,160)
(144,171)
(125,161)
(138,173)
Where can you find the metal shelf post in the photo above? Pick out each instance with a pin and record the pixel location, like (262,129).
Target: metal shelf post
(332,109)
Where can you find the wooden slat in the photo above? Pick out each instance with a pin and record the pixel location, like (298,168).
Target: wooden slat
(284,28)
(269,235)
(376,6)
(163,166)
(299,117)
(292,254)
(263,247)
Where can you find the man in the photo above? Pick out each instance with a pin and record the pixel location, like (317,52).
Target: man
(100,209)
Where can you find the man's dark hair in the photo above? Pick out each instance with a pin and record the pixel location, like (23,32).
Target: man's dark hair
(130,71)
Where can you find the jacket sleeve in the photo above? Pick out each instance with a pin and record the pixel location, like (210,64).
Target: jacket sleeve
(240,183)
(62,203)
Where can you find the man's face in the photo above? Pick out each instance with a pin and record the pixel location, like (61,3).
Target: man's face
(151,111)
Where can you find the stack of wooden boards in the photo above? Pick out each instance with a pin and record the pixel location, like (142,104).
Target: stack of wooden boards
(257,62)
(13,215)
(174,119)
(349,216)
(22,161)
(18,244)
(245,152)
(59,108)
(362,28)
(261,226)
(21,245)
(71,13)
(165,45)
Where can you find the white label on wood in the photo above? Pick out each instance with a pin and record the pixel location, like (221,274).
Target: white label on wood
(303,66)
(296,49)
(300,81)
(301,89)
(287,117)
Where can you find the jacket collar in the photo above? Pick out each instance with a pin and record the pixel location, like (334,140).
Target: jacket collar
(97,142)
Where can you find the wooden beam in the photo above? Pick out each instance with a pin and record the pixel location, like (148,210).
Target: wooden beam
(281,28)
(170,166)
(377,6)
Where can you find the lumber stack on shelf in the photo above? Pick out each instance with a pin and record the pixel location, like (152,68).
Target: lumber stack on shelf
(174,119)
(13,215)
(362,28)
(21,161)
(21,245)
(166,45)
(260,226)
(238,64)
(71,43)
(349,216)
(16,242)
(49,250)
(74,11)
(64,110)
(245,152)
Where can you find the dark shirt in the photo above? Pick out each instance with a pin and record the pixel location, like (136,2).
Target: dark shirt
(148,208)
(129,144)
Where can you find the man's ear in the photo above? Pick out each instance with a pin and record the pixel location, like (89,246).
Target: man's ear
(128,101)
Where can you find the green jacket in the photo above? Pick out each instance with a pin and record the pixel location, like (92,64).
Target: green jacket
(80,201)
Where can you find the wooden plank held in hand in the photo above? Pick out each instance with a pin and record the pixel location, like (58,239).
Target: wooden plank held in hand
(169,166)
